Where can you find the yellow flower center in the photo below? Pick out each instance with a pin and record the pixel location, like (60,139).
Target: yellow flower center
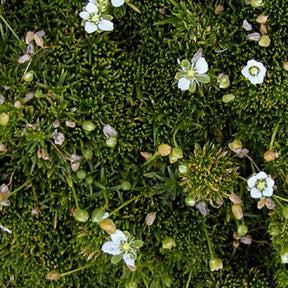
(261,185)
(191,73)
(126,247)
(254,70)
(94,18)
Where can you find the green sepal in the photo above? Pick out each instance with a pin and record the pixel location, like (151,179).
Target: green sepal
(137,244)
(180,74)
(131,5)
(204,78)
(192,87)
(116,258)
(107,16)
(185,64)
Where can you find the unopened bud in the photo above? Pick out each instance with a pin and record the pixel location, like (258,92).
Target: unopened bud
(131,284)
(261,19)
(168,243)
(223,81)
(237,212)
(126,185)
(190,201)
(228,97)
(270,155)
(242,230)
(218,9)
(108,226)
(215,264)
(264,41)
(81,215)
(88,126)
(28,77)
(164,149)
(176,154)
(53,275)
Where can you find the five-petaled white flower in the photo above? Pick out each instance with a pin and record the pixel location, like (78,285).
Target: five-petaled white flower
(191,73)
(122,246)
(254,71)
(260,185)
(117,3)
(95,21)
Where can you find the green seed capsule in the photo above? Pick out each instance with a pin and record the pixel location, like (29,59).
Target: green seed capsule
(88,126)
(81,215)
(190,201)
(4,119)
(97,215)
(256,3)
(28,77)
(242,230)
(89,179)
(87,154)
(215,264)
(81,174)
(111,141)
(285,212)
(126,185)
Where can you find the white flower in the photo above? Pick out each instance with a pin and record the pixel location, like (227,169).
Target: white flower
(117,3)
(260,185)
(191,73)
(123,247)
(94,20)
(254,71)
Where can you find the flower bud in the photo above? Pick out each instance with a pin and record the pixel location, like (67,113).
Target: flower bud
(237,212)
(126,185)
(97,215)
(235,145)
(183,169)
(224,81)
(256,3)
(81,174)
(270,155)
(176,154)
(215,264)
(111,141)
(285,65)
(190,201)
(89,180)
(150,218)
(264,41)
(88,126)
(81,215)
(261,19)
(131,284)
(168,243)
(108,226)
(219,8)
(87,154)
(53,275)
(242,230)
(285,212)
(28,77)
(4,119)
(164,149)
(228,97)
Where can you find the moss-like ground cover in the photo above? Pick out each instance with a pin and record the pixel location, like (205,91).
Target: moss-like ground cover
(83,122)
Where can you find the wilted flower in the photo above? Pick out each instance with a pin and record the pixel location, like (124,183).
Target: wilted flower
(191,73)
(122,246)
(109,131)
(254,71)
(215,264)
(24,58)
(202,207)
(247,26)
(260,185)
(70,124)
(94,20)
(254,36)
(117,3)
(150,218)
(42,154)
(4,191)
(59,138)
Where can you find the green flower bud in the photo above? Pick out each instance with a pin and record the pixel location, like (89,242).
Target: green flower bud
(126,185)
(4,119)
(81,215)
(97,215)
(176,154)
(257,3)
(183,169)
(111,141)
(89,180)
(242,230)
(285,212)
(87,154)
(224,81)
(190,201)
(88,126)
(81,174)
(168,243)
(215,264)
(228,97)
(28,77)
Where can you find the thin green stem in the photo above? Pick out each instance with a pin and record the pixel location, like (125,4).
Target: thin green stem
(27,68)
(252,161)
(10,28)
(208,241)
(106,199)
(189,280)
(174,135)
(274,135)
(18,189)
(125,204)
(242,178)
(156,154)
(71,185)
(275,197)
(76,270)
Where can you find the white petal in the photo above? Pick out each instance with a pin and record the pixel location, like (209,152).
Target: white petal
(252,63)
(255,79)
(261,175)
(117,3)
(84,15)
(105,215)
(106,25)
(268,191)
(201,66)
(245,72)
(91,8)
(111,248)
(128,259)
(118,237)
(270,182)
(255,193)
(183,84)
(252,181)
(90,27)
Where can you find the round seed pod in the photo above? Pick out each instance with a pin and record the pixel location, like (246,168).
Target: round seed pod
(215,264)
(97,215)
(242,230)
(164,149)
(28,77)
(237,211)
(88,126)
(81,215)
(108,226)
(126,185)
(4,119)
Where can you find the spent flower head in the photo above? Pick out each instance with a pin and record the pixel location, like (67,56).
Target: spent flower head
(254,71)
(122,246)
(260,185)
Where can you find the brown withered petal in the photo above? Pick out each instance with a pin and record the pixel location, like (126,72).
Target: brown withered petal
(30,49)
(237,211)
(236,244)
(91,255)
(261,203)
(285,65)
(247,2)
(201,206)
(150,218)
(246,239)
(270,204)
(219,8)
(270,155)
(132,268)
(24,58)
(261,19)
(75,166)
(236,236)
(53,275)
(242,152)
(42,154)
(108,226)
(28,97)
(263,29)
(254,36)
(29,37)
(38,40)
(197,55)
(3,148)
(41,33)
(234,198)
(146,155)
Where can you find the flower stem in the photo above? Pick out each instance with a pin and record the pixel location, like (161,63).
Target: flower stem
(274,135)
(76,270)
(208,241)
(18,189)
(10,28)
(189,279)
(275,197)
(125,204)
(71,185)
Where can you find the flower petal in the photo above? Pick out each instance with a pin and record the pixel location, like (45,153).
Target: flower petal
(245,72)
(111,248)
(91,8)
(118,237)
(201,66)
(117,3)
(183,84)
(268,191)
(84,15)
(261,175)
(106,25)
(90,27)
(270,182)
(251,182)
(255,193)
(128,259)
